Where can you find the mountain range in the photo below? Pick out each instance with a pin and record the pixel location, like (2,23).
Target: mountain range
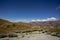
(7,26)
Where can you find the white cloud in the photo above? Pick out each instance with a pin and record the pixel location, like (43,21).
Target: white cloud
(51,19)
(48,19)
(27,21)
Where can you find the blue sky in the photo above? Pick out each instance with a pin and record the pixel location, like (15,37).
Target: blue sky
(29,9)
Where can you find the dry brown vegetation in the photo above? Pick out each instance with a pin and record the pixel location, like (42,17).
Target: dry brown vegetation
(6,27)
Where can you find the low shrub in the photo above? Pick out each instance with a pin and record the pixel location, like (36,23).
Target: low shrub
(12,35)
(54,34)
(49,32)
(17,32)
(46,31)
(27,31)
(22,36)
(3,36)
(43,32)
(58,35)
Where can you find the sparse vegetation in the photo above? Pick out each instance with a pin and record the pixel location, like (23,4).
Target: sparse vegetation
(17,31)
(7,27)
(12,35)
(53,34)
(14,25)
(3,35)
(22,36)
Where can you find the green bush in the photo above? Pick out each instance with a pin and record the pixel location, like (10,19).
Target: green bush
(46,31)
(8,26)
(43,32)
(14,25)
(58,35)
(54,34)
(49,32)
(3,36)
(27,31)
(12,35)
(17,31)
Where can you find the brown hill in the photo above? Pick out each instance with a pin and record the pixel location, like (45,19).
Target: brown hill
(7,26)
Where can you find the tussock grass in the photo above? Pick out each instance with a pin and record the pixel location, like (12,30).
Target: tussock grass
(3,35)
(12,35)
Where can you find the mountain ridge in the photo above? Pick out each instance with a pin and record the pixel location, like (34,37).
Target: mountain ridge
(7,26)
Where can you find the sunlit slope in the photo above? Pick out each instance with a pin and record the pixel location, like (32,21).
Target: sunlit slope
(7,26)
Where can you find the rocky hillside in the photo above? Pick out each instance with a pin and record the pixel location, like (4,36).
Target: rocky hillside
(7,26)
(47,23)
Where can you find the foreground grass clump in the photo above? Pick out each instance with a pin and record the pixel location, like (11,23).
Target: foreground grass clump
(53,34)
(27,31)
(3,35)
(49,33)
(58,35)
(8,35)
(12,35)
(43,32)
(17,31)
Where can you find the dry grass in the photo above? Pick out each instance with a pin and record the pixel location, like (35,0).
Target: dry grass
(6,27)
